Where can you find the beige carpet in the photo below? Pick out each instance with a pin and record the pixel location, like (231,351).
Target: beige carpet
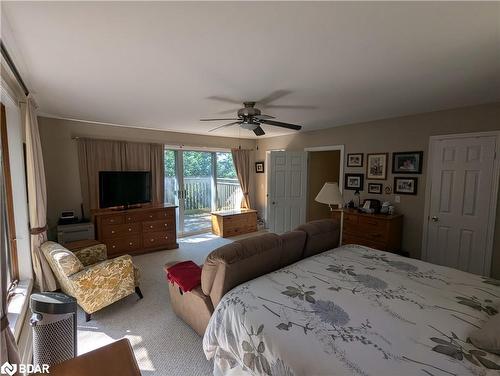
(163,344)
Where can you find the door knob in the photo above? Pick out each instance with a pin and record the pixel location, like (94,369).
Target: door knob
(434,218)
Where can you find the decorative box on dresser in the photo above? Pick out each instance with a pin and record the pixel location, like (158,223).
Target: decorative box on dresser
(138,230)
(379,231)
(234,222)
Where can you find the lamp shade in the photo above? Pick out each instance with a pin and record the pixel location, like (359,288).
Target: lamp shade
(330,194)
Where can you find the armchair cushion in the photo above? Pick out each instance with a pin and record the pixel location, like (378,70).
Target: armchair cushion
(64,262)
(92,255)
(102,284)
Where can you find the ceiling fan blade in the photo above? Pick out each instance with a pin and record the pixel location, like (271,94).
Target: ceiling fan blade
(263,116)
(259,131)
(280,124)
(224,99)
(218,119)
(223,126)
(275,95)
(298,107)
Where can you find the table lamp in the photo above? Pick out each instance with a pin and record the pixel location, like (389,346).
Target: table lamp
(330,194)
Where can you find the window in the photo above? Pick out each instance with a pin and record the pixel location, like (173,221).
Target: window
(6,214)
(229,192)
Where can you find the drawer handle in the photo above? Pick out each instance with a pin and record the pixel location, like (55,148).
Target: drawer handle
(152,240)
(150,216)
(130,229)
(151,226)
(166,237)
(114,246)
(130,243)
(128,219)
(165,225)
(112,231)
(111,220)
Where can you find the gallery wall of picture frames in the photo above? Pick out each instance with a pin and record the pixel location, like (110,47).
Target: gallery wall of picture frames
(404,163)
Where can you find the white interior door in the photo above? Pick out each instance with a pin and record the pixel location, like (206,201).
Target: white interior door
(461,203)
(287,190)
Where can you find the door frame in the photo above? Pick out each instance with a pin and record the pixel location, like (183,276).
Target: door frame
(340,148)
(493,199)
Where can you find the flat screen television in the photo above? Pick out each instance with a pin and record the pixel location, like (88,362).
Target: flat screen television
(124,188)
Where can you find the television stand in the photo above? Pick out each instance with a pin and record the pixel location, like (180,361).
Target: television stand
(136,230)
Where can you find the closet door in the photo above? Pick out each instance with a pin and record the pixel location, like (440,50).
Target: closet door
(287,192)
(459,232)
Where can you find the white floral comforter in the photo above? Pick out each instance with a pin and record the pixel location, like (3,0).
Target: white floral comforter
(354,311)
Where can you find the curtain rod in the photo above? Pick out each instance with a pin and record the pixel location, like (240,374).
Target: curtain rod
(167,146)
(13,68)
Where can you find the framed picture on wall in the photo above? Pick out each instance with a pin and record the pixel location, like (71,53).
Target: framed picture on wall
(405,186)
(375,188)
(376,166)
(354,182)
(409,162)
(259,167)
(355,160)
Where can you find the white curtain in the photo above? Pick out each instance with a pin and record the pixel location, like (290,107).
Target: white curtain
(37,198)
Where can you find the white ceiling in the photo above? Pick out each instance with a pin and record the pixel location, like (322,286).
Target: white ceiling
(154,65)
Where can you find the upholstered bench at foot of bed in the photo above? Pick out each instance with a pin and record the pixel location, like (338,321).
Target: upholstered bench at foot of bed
(194,307)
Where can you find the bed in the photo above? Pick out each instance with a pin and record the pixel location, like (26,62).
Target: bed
(354,310)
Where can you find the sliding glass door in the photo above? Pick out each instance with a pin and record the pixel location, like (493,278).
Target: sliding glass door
(200,182)
(197,190)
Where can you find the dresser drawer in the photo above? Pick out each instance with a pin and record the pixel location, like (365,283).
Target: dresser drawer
(351,239)
(350,218)
(167,214)
(136,217)
(115,231)
(235,229)
(127,244)
(154,239)
(373,223)
(156,226)
(112,219)
(369,233)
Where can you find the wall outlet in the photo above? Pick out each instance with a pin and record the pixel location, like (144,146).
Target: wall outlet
(397,199)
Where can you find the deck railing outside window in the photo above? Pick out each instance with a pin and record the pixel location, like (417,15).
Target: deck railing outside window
(198,197)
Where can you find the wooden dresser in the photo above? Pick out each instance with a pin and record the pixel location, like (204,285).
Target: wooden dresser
(234,222)
(377,231)
(135,231)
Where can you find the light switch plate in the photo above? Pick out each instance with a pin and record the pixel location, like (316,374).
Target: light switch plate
(397,199)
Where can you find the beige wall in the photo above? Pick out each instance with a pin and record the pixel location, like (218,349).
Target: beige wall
(61,159)
(408,133)
(389,135)
(323,166)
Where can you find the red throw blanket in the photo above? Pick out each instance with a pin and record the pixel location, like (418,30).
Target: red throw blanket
(186,274)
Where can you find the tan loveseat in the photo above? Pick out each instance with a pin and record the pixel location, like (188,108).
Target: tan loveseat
(243,260)
(90,277)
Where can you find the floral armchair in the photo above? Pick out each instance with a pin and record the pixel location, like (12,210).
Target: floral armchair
(90,277)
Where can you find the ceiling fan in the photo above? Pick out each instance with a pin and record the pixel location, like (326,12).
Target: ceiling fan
(249,117)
